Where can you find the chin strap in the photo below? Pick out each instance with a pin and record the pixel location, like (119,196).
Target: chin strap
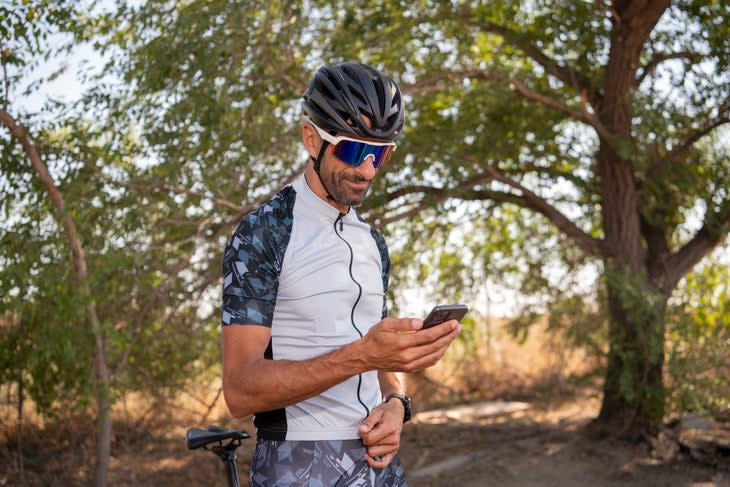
(317,164)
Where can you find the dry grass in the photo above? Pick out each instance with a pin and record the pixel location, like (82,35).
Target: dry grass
(492,365)
(148,446)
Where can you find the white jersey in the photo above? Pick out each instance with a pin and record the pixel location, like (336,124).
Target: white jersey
(318,279)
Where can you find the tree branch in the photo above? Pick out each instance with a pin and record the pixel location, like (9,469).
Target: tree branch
(655,61)
(239,210)
(101,369)
(19,132)
(4,54)
(565,74)
(435,195)
(442,193)
(465,190)
(713,232)
(673,155)
(432,84)
(583,116)
(532,201)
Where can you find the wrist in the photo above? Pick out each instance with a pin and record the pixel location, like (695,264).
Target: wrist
(404,400)
(353,356)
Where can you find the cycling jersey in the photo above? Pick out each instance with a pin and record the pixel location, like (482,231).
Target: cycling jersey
(318,279)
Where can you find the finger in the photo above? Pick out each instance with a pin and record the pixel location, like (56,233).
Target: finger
(400,325)
(429,341)
(379,461)
(368,424)
(443,328)
(378,435)
(430,354)
(431,335)
(381,449)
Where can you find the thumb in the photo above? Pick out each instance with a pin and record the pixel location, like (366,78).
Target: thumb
(371,421)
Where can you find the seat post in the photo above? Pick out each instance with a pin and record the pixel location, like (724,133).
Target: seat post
(228,456)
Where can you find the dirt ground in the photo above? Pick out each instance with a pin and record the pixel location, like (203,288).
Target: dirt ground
(542,446)
(536,439)
(538,444)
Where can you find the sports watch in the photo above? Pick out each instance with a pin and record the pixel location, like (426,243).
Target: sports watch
(406,403)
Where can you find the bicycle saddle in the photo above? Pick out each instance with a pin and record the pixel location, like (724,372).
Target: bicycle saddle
(197,437)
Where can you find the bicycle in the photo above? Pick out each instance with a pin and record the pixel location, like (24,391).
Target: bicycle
(221,441)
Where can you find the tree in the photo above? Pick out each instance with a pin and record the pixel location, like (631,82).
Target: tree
(28,34)
(563,108)
(584,134)
(587,131)
(105,304)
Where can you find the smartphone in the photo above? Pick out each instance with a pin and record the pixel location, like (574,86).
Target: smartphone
(444,312)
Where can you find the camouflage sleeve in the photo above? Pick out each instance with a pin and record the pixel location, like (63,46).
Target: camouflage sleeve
(252,262)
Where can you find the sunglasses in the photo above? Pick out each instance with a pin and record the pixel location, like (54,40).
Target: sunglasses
(354,152)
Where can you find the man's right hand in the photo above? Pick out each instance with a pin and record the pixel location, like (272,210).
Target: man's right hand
(400,345)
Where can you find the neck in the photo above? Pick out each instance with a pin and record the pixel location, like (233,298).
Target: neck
(315,184)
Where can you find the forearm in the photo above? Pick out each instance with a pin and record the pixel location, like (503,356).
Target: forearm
(264,385)
(253,384)
(390,382)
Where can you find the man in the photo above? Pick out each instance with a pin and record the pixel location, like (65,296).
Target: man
(307,346)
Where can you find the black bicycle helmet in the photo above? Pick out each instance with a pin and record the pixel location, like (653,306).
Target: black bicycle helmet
(340,97)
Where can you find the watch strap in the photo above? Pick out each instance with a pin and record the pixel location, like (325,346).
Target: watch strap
(407,412)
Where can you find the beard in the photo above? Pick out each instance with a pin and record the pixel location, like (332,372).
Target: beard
(340,187)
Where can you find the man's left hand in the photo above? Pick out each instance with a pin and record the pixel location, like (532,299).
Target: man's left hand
(380,433)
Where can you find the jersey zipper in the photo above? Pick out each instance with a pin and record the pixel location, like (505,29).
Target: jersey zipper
(359,295)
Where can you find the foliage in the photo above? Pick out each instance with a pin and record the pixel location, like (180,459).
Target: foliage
(155,336)
(497,180)
(698,337)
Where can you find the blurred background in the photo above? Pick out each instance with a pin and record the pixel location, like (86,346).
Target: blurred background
(564,170)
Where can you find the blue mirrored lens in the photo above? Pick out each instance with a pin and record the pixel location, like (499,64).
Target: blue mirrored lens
(355,153)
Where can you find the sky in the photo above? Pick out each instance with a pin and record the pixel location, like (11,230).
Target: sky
(81,61)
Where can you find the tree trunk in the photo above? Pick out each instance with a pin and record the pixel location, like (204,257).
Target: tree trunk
(103,400)
(21,382)
(101,370)
(633,392)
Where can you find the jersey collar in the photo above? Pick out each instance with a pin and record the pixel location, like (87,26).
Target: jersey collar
(316,203)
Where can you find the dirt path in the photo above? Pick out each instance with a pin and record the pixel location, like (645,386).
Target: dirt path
(514,445)
(538,447)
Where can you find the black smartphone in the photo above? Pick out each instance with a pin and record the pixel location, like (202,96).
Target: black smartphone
(444,312)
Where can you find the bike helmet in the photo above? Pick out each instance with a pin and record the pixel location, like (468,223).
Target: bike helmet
(341,97)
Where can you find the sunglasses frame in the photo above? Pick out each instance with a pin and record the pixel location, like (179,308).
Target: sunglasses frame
(334,140)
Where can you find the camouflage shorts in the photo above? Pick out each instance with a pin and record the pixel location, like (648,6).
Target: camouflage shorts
(336,463)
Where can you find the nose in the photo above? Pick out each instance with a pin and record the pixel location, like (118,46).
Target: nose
(366,169)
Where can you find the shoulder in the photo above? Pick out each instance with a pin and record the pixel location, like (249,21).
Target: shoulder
(277,211)
(271,220)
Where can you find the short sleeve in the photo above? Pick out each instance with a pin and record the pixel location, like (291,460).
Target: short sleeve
(252,262)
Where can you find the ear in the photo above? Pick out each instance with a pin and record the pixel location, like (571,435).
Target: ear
(311,140)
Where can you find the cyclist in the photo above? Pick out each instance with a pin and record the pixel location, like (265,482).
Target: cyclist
(308,347)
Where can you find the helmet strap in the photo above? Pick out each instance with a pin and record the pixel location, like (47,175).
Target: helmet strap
(318,161)
(317,164)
